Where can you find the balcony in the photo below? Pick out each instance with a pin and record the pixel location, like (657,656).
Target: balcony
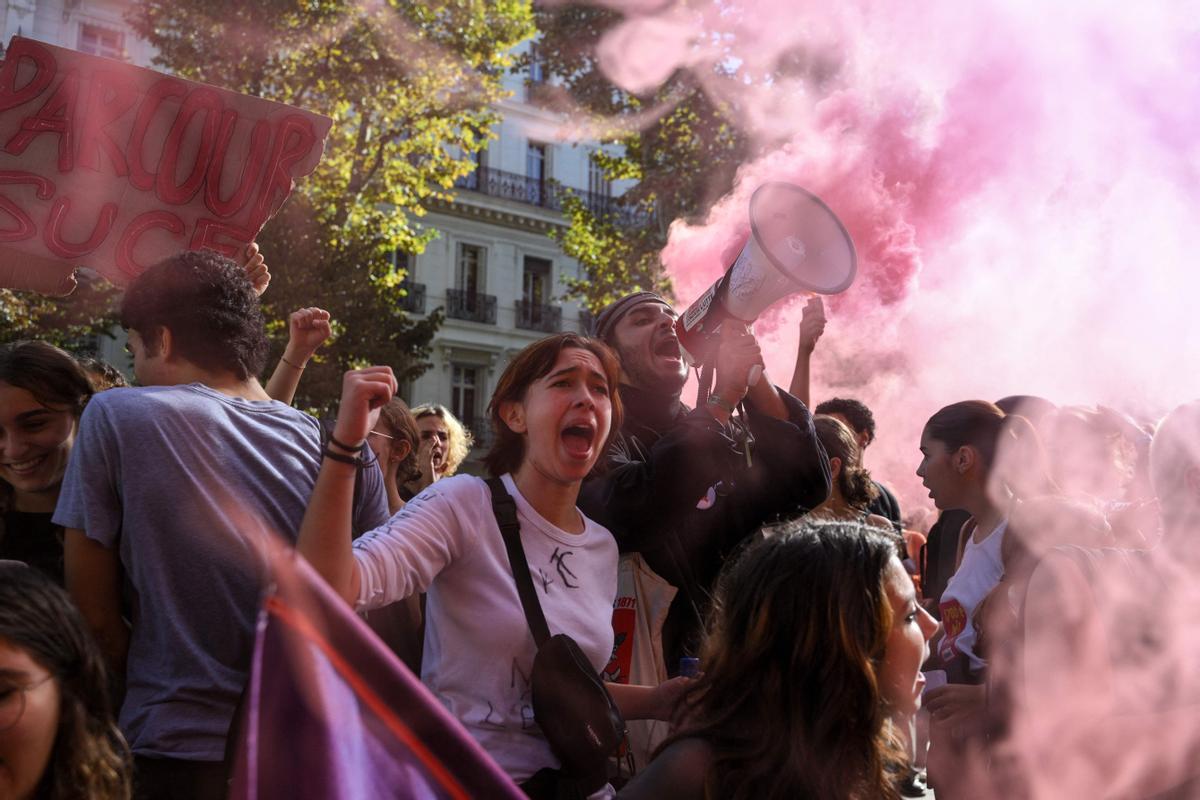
(471,306)
(539,317)
(544,194)
(414,301)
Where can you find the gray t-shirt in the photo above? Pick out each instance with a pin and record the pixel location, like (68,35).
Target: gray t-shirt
(182,480)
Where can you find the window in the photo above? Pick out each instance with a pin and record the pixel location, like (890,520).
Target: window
(400,261)
(598,183)
(464,394)
(469,277)
(534,311)
(98,41)
(536,288)
(537,67)
(535,170)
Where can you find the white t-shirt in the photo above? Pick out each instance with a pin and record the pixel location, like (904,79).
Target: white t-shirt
(979,572)
(478,649)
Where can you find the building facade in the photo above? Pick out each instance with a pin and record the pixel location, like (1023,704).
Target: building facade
(494,268)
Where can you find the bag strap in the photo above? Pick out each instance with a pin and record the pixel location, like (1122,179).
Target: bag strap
(505,509)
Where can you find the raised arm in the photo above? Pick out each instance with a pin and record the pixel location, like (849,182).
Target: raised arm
(812,325)
(308,329)
(325,533)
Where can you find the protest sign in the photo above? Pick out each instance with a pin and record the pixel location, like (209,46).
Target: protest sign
(111,166)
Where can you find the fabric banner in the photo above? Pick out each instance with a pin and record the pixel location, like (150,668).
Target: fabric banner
(111,166)
(330,712)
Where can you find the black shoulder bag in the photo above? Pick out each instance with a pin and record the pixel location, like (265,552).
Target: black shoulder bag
(570,704)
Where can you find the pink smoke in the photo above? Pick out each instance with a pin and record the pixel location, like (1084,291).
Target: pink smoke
(1019,182)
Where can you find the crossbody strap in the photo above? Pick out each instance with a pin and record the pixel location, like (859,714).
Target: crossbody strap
(505,509)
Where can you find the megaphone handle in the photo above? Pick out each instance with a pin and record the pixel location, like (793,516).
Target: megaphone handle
(704,384)
(754,375)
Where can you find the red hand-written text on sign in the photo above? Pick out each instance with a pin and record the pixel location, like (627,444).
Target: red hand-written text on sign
(112,166)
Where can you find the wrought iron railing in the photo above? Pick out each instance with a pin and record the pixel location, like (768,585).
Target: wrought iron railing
(545,193)
(414,301)
(472,306)
(539,317)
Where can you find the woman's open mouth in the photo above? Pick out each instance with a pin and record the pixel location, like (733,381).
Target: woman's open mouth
(578,439)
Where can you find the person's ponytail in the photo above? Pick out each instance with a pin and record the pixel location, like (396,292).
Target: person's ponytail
(1024,465)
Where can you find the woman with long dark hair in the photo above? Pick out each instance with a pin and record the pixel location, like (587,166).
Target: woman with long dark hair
(42,393)
(58,739)
(815,639)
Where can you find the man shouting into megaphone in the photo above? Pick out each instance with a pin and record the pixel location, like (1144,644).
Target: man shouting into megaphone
(685,487)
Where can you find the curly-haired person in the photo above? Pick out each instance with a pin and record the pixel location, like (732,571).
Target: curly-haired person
(445,443)
(168,489)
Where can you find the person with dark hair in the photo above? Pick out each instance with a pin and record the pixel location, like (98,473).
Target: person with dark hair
(854,414)
(394,440)
(963,467)
(858,418)
(940,553)
(43,391)
(102,374)
(682,487)
(552,414)
(58,740)
(977,458)
(814,641)
(169,488)
(198,308)
(852,489)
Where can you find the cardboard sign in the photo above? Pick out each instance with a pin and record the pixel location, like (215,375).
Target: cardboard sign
(114,167)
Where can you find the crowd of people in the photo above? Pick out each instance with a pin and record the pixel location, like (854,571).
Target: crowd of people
(766,619)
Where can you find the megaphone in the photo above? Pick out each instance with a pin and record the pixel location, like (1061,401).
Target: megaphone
(797,244)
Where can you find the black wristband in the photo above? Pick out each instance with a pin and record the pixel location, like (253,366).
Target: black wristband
(344,446)
(351,460)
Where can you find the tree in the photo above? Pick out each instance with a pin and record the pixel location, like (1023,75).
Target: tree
(62,321)
(411,86)
(683,160)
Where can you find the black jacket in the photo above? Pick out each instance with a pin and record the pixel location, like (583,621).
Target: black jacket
(678,491)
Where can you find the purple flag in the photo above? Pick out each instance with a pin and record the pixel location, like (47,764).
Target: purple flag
(332,713)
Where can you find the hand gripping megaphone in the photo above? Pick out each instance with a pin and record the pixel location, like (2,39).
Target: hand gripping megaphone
(797,244)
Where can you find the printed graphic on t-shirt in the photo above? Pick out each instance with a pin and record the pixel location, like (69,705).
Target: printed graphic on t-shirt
(559,559)
(954,622)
